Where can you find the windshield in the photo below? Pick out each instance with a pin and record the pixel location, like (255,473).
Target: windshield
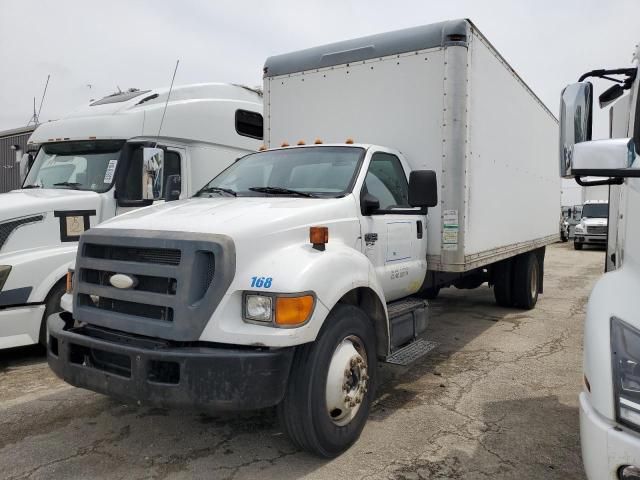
(595,210)
(307,171)
(85,165)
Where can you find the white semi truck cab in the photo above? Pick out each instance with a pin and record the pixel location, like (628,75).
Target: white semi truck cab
(288,276)
(610,400)
(103,160)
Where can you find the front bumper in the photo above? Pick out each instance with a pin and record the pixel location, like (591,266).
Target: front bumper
(20,326)
(591,239)
(606,446)
(166,374)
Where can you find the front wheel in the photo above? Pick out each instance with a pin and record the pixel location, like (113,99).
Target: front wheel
(331,385)
(577,246)
(52,305)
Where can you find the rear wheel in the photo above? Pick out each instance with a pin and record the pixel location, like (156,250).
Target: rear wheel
(331,385)
(502,283)
(526,280)
(52,305)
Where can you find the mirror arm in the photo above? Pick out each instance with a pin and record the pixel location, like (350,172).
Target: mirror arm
(595,183)
(602,73)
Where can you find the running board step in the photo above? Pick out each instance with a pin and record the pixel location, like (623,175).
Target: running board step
(412,352)
(408,319)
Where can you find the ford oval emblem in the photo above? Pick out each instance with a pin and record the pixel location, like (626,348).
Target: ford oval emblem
(120,280)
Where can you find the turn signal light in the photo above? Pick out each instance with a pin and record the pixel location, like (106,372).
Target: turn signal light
(319,237)
(293,311)
(69,288)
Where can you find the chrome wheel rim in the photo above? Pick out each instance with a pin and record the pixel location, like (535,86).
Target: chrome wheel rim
(347,380)
(534,280)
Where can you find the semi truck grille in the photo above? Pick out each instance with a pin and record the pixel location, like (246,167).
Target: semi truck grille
(597,230)
(177,281)
(7,228)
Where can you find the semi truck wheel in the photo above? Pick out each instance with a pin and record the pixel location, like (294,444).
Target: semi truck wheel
(52,305)
(331,385)
(502,283)
(526,280)
(577,246)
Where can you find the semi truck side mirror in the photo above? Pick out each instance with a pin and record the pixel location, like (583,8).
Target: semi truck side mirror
(423,188)
(613,158)
(25,163)
(576,112)
(152,163)
(369,204)
(172,188)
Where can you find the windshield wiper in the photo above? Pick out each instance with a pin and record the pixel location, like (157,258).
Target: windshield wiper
(67,184)
(282,190)
(32,186)
(218,189)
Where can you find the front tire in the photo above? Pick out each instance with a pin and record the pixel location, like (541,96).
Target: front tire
(577,246)
(52,305)
(331,385)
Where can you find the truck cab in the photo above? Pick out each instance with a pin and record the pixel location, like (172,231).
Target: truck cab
(592,227)
(610,399)
(113,156)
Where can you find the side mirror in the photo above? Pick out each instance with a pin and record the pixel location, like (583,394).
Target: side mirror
(423,188)
(25,163)
(614,158)
(576,111)
(610,95)
(152,163)
(369,204)
(172,188)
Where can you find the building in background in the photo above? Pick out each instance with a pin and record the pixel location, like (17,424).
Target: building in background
(13,144)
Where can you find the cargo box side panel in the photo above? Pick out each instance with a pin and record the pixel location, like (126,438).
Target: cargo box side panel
(513,188)
(394,101)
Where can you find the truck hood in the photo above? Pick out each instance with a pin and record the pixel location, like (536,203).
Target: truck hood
(236,216)
(594,222)
(21,203)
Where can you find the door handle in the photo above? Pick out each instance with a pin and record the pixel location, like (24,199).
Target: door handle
(419,228)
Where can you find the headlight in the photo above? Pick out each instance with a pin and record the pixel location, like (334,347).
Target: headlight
(579,228)
(625,353)
(279,310)
(4,274)
(258,308)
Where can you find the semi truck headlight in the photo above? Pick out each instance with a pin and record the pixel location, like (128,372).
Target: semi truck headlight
(279,310)
(625,353)
(258,308)
(579,229)
(4,274)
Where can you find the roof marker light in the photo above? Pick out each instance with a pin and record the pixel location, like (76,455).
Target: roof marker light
(318,141)
(284,144)
(301,142)
(319,237)
(262,148)
(349,141)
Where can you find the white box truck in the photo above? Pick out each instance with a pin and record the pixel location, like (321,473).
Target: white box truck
(610,399)
(296,269)
(89,168)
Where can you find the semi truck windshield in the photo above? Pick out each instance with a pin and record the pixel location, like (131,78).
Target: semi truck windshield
(595,210)
(83,165)
(305,171)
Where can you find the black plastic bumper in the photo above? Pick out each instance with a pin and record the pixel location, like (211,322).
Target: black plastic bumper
(157,373)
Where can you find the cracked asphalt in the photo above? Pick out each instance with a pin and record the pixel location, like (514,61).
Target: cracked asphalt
(497,399)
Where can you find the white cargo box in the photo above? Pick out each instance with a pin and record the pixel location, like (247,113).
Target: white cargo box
(444,97)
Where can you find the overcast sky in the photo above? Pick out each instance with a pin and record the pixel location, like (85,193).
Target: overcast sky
(92,47)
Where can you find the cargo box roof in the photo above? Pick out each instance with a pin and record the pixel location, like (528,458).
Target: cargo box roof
(453,32)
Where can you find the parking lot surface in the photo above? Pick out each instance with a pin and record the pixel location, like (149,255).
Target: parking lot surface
(497,399)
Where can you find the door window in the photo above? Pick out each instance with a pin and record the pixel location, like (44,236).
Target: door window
(387,181)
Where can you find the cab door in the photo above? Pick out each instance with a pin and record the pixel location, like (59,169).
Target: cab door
(394,236)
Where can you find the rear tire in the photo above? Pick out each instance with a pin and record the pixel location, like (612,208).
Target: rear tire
(52,305)
(502,280)
(313,384)
(577,246)
(526,280)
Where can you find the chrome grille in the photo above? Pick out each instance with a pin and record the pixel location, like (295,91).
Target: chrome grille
(597,229)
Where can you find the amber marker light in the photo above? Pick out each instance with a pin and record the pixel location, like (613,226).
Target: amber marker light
(262,148)
(349,141)
(301,142)
(284,144)
(318,141)
(319,237)
(69,288)
(293,311)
